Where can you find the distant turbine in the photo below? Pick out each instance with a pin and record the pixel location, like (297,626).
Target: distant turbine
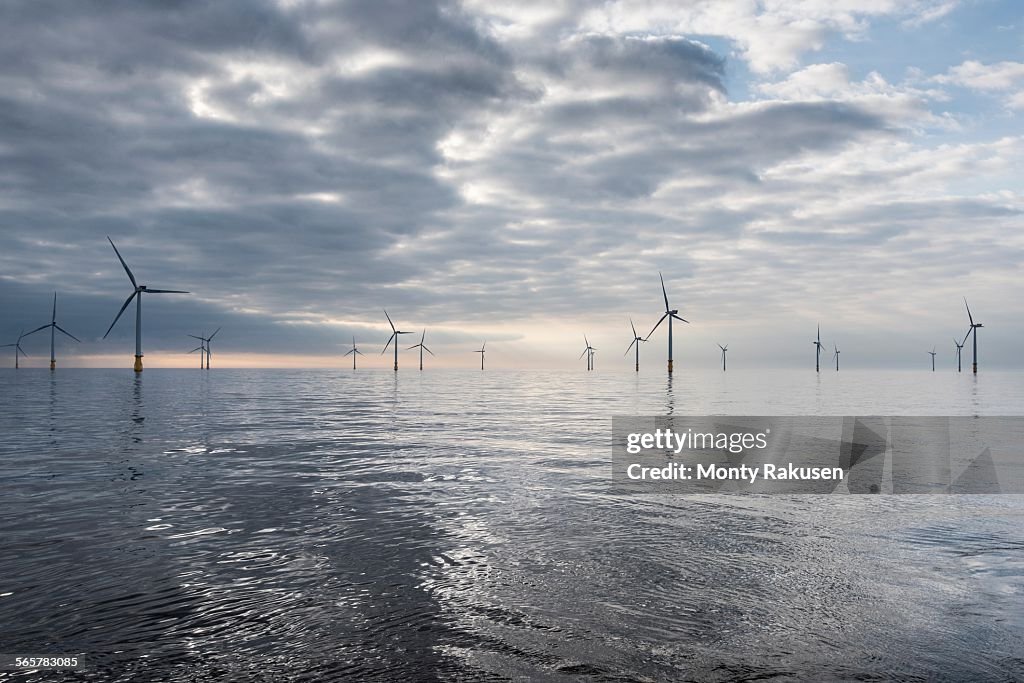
(724,349)
(202,352)
(481,352)
(974,329)
(394,336)
(53,328)
(206,345)
(589,353)
(670,313)
(17,349)
(818,348)
(636,341)
(932,352)
(356,352)
(421,346)
(959,348)
(836,356)
(139,290)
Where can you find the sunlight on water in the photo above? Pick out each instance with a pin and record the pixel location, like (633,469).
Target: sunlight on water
(283,525)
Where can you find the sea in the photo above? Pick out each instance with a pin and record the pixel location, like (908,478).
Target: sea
(459,525)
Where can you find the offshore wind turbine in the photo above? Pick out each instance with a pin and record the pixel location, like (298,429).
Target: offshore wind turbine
(421,346)
(724,349)
(137,295)
(356,352)
(959,348)
(481,352)
(206,345)
(394,336)
(836,356)
(974,330)
(818,348)
(670,313)
(589,353)
(932,352)
(54,327)
(17,349)
(636,341)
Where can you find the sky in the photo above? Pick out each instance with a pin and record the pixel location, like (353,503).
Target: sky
(517,173)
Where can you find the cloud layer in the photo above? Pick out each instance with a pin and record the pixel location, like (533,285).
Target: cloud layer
(518,174)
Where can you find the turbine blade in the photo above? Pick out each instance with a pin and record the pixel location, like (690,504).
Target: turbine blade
(67,333)
(389,320)
(349,353)
(630,345)
(632,327)
(413,347)
(195,337)
(213,335)
(680,319)
(198,348)
(54,319)
(968,312)
(663,293)
(124,306)
(656,325)
(21,350)
(429,351)
(394,335)
(585,351)
(126,268)
(43,327)
(424,335)
(359,352)
(166,291)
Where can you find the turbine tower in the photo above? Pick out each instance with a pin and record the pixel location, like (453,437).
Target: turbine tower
(206,345)
(932,352)
(481,352)
(202,352)
(356,352)
(137,295)
(670,313)
(636,341)
(818,348)
(54,328)
(589,353)
(836,356)
(974,331)
(724,349)
(421,346)
(17,349)
(959,348)
(394,336)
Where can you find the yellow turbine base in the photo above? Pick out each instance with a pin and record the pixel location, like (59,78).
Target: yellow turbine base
(138,364)
(670,366)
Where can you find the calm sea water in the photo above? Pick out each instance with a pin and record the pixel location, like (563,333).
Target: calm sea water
(447,525)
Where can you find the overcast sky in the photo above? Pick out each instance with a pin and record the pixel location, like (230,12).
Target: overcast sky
(518,175)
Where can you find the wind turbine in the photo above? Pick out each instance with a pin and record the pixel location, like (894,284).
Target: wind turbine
(394,336)
(202,352)
(932,352)
(17,349)
(974,329)
(481,352)
(589,353)
(836,356)
(669,313)
(724,349)
(636,341)
(53,328)
(137,295)
(818,348)
(356,352)
(422,347)
(959,348)
(206,345)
